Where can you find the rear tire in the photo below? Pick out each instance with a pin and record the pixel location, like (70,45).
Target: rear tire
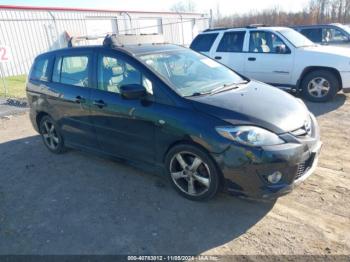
(51,136)
(192,172)
(320,86)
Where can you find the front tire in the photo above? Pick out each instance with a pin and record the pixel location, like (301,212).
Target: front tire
(51,135)
(192,172)
(320,86)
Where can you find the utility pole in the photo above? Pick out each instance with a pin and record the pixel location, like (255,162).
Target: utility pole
(211,19)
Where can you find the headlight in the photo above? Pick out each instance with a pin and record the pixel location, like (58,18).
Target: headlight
(250,135)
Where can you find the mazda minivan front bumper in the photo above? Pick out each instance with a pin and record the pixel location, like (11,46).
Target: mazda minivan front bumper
(247,171)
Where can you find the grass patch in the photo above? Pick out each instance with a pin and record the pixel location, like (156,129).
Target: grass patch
(15,86)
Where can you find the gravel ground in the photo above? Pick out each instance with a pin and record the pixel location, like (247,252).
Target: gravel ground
(10,107)
(78,203)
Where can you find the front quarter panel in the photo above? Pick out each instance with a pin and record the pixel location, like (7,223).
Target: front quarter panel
(185,124)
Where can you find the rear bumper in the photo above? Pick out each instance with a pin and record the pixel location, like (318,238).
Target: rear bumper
(32,117)
(345,77)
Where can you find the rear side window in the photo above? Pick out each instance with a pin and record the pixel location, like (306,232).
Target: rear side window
(203,43)
(40,70)
(72,70)
(231,42)
(314,34)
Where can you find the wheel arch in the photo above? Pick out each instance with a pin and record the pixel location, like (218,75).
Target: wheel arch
(310,69)
(189,141)
(40,116)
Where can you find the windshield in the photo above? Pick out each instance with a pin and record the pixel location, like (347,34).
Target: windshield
(191,73)
(297,39)
(345,28)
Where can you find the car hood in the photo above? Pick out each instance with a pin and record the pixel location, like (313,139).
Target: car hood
(327,50)
(255,104)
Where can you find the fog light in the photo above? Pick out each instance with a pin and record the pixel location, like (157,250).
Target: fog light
(275,177)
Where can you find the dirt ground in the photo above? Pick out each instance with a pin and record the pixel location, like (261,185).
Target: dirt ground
(78,203)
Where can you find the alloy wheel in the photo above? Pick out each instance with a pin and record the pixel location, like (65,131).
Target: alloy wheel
(190,173)
(49,134)
(318,87)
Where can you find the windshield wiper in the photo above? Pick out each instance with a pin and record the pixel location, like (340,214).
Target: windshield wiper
(226,87)
(219,89)
(199,94)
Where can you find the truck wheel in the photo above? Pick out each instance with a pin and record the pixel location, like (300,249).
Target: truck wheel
(320,86)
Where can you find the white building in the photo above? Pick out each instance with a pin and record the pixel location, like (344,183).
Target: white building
(27,31)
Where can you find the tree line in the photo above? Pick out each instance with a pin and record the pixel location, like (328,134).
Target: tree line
(316,12)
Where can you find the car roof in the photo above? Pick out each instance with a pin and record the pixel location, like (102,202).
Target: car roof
(319,25)
(143,49)
(271,28)
(134,50)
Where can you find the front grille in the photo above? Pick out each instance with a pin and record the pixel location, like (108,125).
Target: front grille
(305,130)
(304,167)
(300,132)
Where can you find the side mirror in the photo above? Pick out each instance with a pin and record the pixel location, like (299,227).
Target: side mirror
(281,49)
(132,91)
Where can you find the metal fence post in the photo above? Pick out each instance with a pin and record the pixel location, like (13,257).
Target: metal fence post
(2,75)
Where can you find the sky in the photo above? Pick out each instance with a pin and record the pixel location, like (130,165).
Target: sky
(226,7)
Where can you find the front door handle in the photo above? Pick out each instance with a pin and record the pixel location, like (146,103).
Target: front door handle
(79,99)
(251,58)
(99,103)
(217,57)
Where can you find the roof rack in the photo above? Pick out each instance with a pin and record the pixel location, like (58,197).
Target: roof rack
(232,27)
(216,29)
(115,40)
(256,25)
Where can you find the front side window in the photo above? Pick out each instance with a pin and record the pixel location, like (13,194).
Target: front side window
(188,72)
(40,69)
(114,72)
(203,43)
(264,42)
(231,42)
(330,35)
(72,70)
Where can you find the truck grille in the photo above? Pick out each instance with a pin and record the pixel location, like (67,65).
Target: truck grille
(304,167)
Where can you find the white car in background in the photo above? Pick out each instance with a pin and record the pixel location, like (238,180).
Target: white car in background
(280,56)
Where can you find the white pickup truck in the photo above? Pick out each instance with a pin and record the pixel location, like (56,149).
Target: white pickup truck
(281,57)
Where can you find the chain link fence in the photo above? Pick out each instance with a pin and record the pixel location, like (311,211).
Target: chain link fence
(30,32)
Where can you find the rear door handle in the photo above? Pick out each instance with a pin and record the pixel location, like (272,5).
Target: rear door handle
(217,57)
(251,58)
(79,99)
(99,103)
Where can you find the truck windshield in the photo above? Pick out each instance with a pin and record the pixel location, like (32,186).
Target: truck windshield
(191,73)
(297,39)
(345,28)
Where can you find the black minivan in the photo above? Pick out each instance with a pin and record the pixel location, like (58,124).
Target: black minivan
(173,110)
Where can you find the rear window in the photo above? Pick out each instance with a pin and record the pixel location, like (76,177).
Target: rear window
(231,42)
(72,70)
(40,69)
(203,43)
